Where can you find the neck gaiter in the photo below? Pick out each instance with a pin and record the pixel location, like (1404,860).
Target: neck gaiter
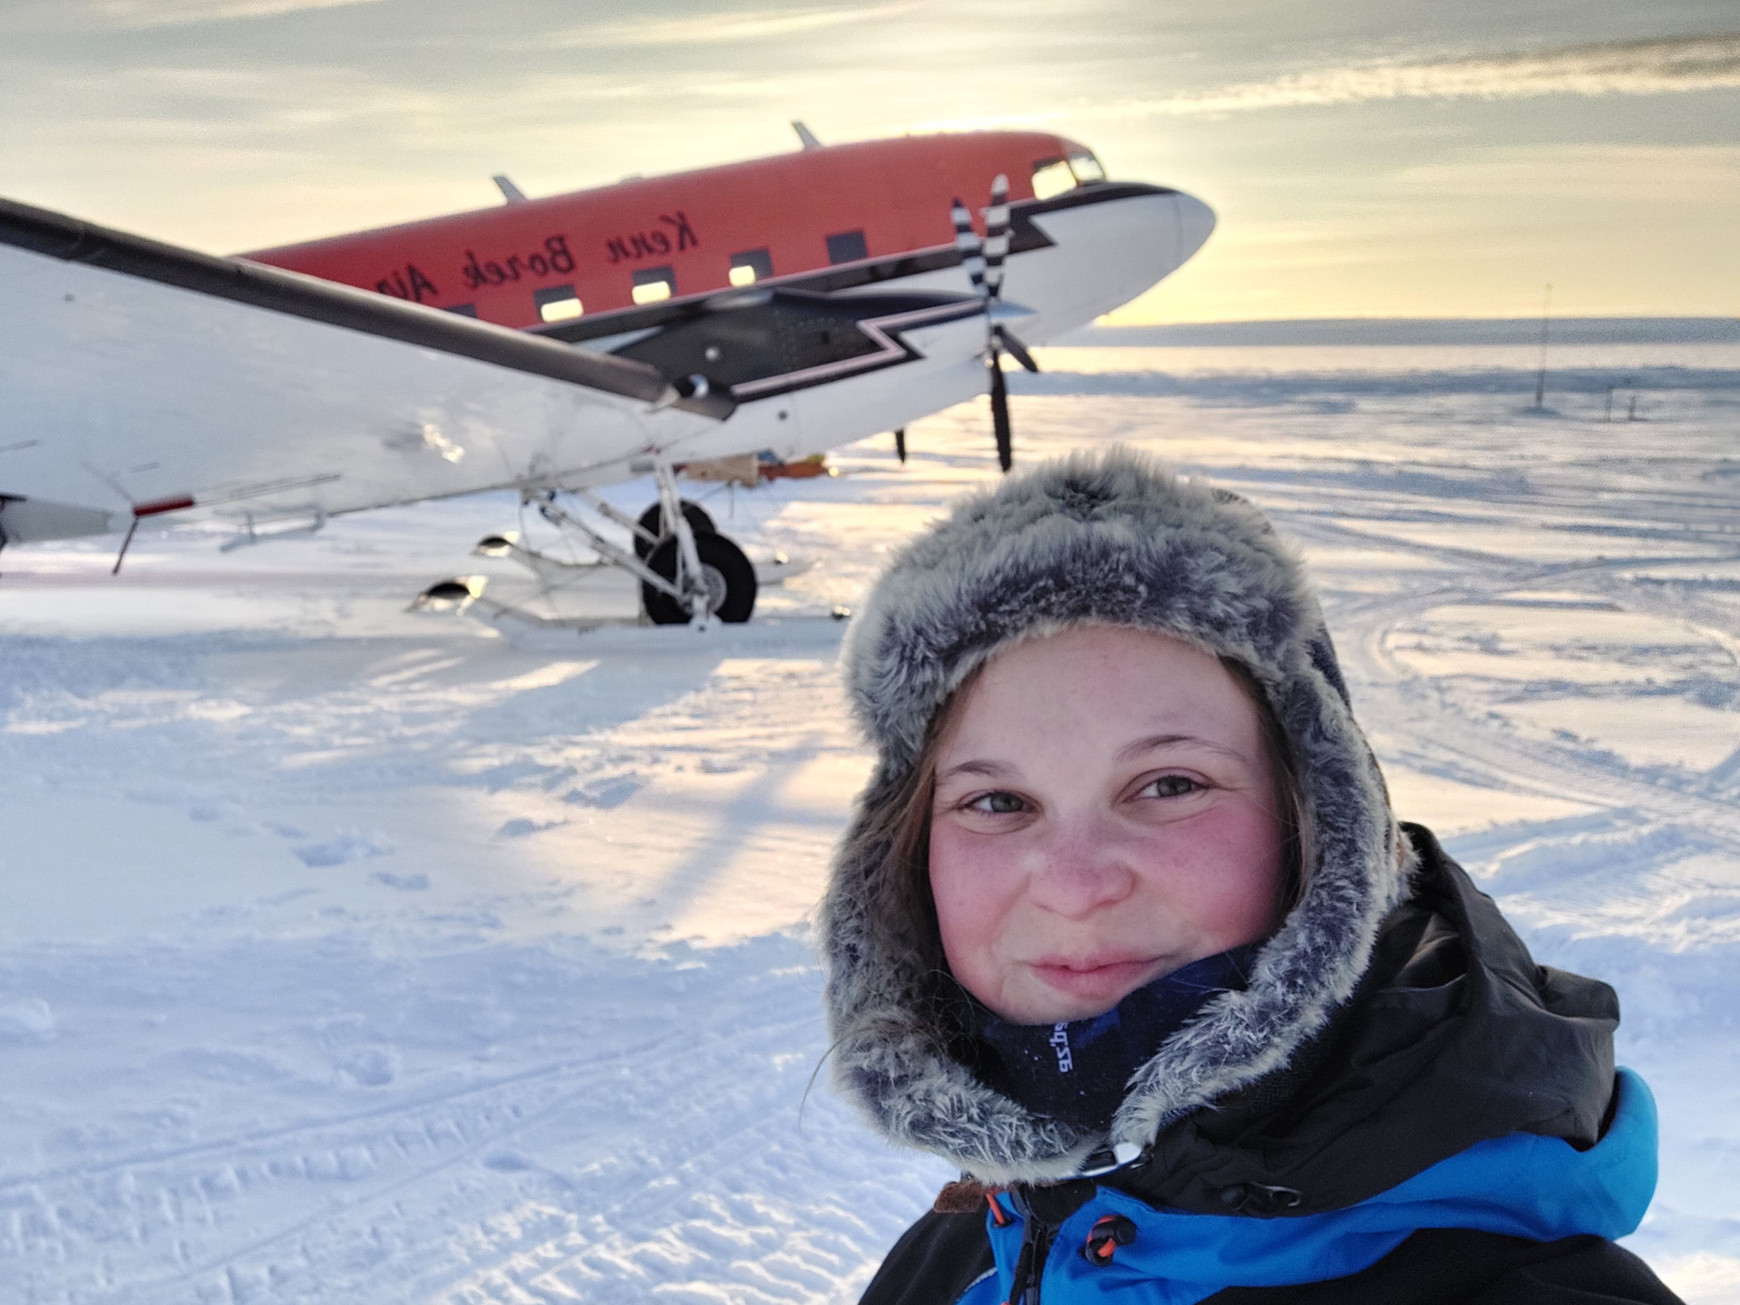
(1077,1071)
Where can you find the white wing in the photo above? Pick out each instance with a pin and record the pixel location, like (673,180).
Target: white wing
(138,378)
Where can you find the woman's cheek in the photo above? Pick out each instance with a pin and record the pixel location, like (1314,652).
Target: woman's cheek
(968,889)
(1225,877)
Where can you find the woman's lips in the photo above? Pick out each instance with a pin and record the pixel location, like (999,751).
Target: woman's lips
(1096,978)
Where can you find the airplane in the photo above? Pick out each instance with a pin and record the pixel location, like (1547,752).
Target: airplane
(776,307)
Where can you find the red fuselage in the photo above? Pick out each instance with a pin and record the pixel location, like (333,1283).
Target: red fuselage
(643,241)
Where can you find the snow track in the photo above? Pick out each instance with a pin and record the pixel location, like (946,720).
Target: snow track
(356,956)
(676,1081)
(1470,746)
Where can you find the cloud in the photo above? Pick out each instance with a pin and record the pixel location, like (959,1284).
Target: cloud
(1697,63)
(136,14)
(1679,64)
(720,28)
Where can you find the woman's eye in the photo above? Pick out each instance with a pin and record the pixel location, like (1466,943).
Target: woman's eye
(1173,786)
(997,804)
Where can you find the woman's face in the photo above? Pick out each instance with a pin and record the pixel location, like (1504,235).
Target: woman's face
(1104,815)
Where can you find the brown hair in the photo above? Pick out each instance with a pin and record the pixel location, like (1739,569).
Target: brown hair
(903,825)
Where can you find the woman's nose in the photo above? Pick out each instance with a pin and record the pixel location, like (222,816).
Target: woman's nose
(1080,869)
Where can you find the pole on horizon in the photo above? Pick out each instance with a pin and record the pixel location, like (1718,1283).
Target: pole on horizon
(1541,376)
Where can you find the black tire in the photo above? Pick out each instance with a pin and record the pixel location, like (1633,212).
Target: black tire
(726,570)
(653,522)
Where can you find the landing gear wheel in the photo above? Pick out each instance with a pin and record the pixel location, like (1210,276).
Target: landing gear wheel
(729,578)
(653,522)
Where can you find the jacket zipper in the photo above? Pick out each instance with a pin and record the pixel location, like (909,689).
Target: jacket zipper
(1036,1238)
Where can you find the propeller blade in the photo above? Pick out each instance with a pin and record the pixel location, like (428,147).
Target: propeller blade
(900,445)
(967,244)
(1017,350)
(1000,415)
(984,263)
(996,236)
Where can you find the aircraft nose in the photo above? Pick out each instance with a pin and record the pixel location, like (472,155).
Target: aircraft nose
(1195,224)
(1152,229)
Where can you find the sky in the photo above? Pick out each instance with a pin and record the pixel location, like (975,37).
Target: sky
(1365,157)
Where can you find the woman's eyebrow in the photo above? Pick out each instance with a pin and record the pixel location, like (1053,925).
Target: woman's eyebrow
(990,769)
(1150,742)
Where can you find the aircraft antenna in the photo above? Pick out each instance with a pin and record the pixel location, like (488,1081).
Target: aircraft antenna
(510,193)
(807,136)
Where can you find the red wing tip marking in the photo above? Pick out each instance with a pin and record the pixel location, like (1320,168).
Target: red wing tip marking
(161,505)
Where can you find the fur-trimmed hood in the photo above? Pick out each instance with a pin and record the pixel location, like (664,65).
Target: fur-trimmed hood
(1096,538)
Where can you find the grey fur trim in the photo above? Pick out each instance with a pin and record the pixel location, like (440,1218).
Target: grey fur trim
(1096,538)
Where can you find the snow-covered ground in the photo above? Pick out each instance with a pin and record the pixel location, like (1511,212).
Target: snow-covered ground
(348,954)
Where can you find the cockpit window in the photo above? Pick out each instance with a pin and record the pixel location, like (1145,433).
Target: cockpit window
(1086,168)
(1052,177)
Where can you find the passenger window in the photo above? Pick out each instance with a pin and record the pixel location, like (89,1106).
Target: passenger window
(557,304)
(1086,168)
(1052,177)
(847,247)
(653,284)
(750,266)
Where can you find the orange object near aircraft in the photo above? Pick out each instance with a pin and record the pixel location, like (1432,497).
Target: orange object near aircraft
(780,306)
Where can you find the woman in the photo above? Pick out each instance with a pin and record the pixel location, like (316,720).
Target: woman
(1124,929)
